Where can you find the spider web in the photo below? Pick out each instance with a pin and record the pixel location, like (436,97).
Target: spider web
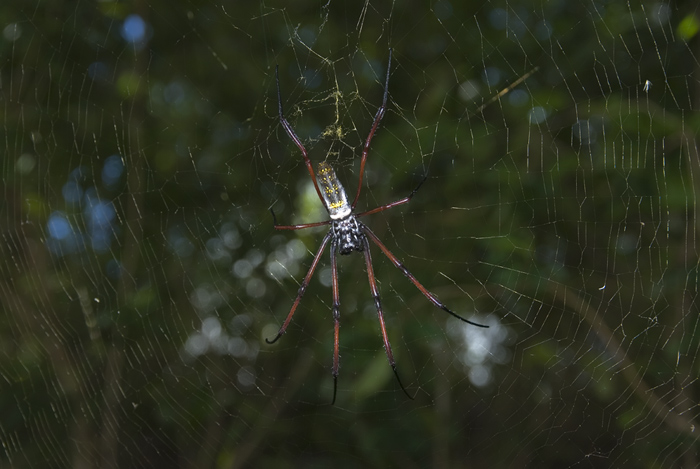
(140,272)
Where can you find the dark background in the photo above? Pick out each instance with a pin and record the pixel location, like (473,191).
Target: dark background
(140,273)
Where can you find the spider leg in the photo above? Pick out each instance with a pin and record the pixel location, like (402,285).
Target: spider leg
(380,314)
(433,299)
(302,288)
(293,136)
(296,227)
(405,200)
(336,320)
(377,119)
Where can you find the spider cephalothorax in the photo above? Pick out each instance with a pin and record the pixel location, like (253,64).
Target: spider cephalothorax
(348,234)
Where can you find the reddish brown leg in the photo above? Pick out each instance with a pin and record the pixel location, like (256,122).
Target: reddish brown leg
(405,200)
(293,136)
(297,227)
(433,299)
(302,289)
(336,320)
(377,119)
(380,314)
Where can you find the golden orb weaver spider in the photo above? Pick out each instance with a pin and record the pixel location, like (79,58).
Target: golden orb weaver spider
(348,234)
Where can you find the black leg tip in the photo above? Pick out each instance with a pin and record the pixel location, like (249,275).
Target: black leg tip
(475,323)
(335,389)
(273,340)
(274,217)
(396,373)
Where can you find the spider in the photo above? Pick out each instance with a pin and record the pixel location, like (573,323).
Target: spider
(348,234)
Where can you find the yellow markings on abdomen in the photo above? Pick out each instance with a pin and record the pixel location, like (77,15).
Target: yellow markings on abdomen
(333,192)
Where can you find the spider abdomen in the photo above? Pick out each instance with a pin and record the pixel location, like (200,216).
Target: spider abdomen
(333,193)
(347,235)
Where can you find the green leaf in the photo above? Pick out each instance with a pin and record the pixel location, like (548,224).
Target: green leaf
(688,27)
